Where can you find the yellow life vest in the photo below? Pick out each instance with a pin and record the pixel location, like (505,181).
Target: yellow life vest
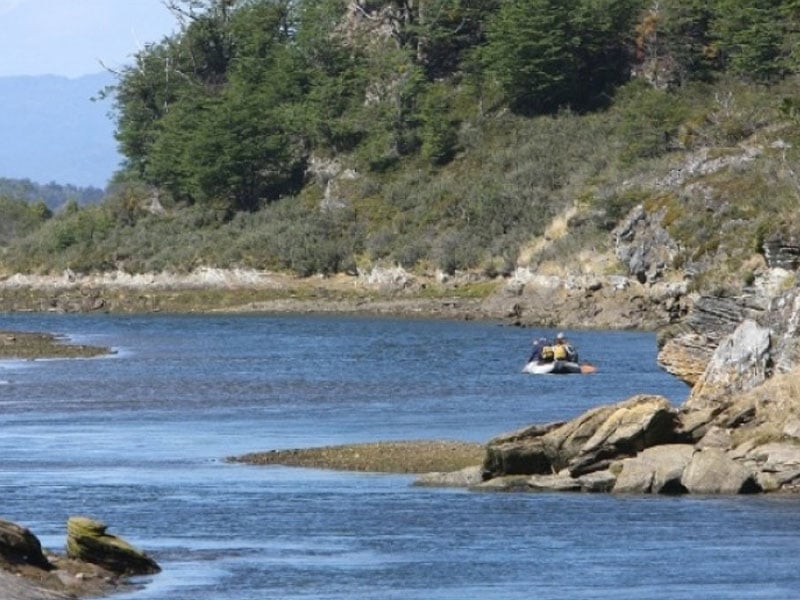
(560,352)
(546,353)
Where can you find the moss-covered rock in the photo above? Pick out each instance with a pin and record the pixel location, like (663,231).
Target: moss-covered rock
(88,541)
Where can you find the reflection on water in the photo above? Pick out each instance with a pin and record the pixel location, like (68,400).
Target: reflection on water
(139,440)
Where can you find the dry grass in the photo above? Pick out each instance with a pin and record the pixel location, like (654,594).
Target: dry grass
(423,456)
(780,393)
(776,401)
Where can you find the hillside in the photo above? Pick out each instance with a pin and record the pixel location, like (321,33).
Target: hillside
(330,137)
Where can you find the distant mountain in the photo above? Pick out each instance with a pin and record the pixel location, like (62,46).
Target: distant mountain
(52,131)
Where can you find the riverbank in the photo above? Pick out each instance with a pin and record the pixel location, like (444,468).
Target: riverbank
(522,298)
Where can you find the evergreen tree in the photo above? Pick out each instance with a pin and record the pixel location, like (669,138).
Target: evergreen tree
(548,54)
(605,50)
(750,36)
(532,50)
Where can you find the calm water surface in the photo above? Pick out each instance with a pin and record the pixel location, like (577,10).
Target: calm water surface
(138,440)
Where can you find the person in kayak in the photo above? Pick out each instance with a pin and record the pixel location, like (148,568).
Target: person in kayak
(563,350)
(542,350)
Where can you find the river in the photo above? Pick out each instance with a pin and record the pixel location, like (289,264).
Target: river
(139,440)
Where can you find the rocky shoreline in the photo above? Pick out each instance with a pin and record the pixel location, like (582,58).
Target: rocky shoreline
(95,563)
(523,298)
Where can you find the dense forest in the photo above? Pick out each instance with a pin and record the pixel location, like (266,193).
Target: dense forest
(320,135)
(26,205)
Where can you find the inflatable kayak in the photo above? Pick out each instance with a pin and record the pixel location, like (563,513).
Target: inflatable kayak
(557,367)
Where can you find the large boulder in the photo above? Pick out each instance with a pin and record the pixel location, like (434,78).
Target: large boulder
(588,443)
(712,471)
(632,426)
(19,546)
(777,463)
(88,541)
(542,450)
(656,470)
(520,452)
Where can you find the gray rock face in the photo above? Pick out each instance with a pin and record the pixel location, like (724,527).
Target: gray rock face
(712,471)
(777,464)
(657,470)
(783,320)
(644,246)
(740,363)
(782,253)
(711,320)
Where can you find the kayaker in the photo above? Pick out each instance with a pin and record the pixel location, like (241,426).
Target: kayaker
(563,350)
(542,350)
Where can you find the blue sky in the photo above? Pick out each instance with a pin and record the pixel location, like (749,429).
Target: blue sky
(76,37)
(51,134)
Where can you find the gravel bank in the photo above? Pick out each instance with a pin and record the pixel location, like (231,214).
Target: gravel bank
(420,456)
(14,344)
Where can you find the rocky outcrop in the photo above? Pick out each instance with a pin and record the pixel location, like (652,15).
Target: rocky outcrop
(587,444)
(782,252)
(740,363)
(644,246)
(686,349)
(28,572)
(642,446)
(588,301)
(88,541)
(740,434)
